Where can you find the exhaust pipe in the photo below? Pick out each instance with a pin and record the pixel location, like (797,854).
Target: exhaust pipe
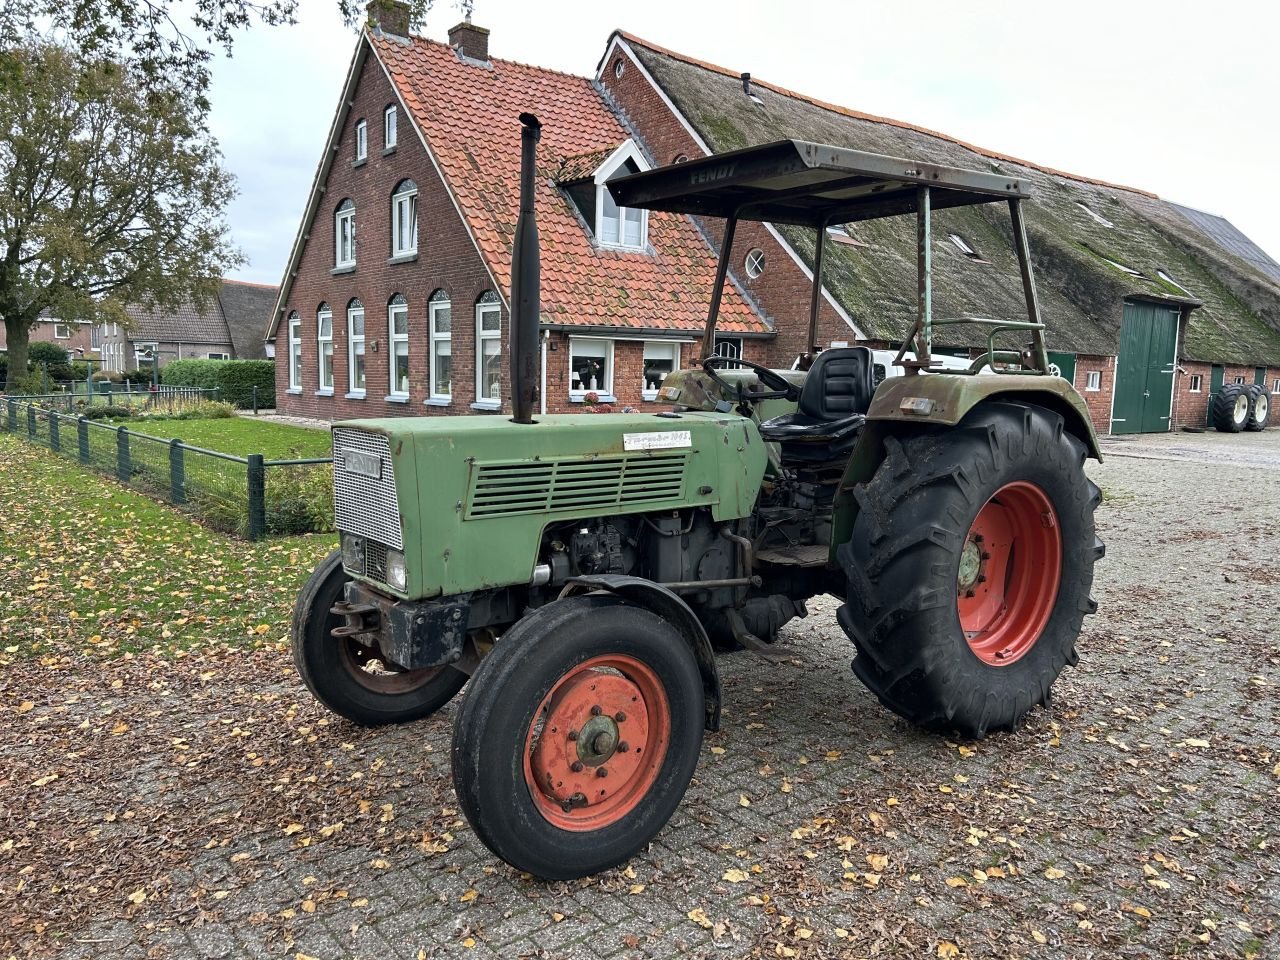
(526,276)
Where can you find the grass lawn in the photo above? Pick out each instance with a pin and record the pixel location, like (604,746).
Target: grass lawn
(88,567)
(240,436)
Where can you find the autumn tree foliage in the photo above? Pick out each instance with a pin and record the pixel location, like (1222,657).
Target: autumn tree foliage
(111,193)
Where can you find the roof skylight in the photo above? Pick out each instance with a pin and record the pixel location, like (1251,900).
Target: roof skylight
(1163,275)
(1129,270)
(1097,217)
(963,246)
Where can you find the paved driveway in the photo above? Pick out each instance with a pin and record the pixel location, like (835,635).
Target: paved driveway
(205,807)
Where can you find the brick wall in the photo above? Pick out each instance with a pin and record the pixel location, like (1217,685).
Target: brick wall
(1098,401)
(1190,407)
(447,260)
(43,332)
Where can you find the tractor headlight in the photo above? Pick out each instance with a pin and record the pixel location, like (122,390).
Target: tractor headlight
(395,569)
(353,554)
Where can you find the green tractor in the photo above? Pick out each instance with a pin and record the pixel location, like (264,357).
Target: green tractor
(580,570)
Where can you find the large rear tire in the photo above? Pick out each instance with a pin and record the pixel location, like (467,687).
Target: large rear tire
(1259,408)
(350,678)
(1229,411)
(970,567)
(578,737)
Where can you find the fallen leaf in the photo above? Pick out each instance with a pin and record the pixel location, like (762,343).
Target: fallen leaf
(699,916)
(138,896)
(948,949)
(468,896)
(735,875)
(1053,873)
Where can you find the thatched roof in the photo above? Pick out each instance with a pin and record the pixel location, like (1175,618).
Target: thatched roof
(1082,233)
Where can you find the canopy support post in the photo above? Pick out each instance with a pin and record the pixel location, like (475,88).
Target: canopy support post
(815,300)
(717,292)
(924,282)
(1039,354)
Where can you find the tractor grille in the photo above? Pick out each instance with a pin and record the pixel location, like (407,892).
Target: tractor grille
(362,504)
(504,489)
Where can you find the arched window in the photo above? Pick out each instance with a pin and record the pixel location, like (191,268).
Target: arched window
(441,333)
(295,352)
(355,349)
(324,347)
(398,337)
(344,234)
(404,219)
(489,349)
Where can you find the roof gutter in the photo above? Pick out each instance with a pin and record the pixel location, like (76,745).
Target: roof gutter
(646,333)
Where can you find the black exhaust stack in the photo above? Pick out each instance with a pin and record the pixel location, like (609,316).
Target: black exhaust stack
(526,279)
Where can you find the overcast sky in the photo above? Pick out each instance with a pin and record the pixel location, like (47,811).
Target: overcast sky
(1181,99)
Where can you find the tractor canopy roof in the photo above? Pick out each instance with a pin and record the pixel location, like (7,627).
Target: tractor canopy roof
(808,184)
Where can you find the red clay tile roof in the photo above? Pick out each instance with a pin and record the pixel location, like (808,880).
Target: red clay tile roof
(467,113)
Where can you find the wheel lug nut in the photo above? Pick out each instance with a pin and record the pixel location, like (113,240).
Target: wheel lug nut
(969,593)
(576,766)
(977,538)
(982,578)
(619,716)
(623,746)
(573,734)
(986,556)
(601,772)
(595,711)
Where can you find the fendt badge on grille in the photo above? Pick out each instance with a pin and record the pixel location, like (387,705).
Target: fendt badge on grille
(364,464)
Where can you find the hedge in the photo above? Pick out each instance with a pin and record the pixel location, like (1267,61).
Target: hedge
(234,379)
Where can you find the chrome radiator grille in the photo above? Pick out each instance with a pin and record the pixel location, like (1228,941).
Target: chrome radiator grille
(504,489)
(362,504)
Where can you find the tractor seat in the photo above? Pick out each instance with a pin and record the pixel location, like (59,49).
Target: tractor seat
(832,407)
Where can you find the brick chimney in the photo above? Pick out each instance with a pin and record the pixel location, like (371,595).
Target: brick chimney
(390,17)
(470,41)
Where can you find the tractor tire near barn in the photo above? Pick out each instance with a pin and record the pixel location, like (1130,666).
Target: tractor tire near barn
(1230,410)
(351,678)
(970,568)
(1259,408)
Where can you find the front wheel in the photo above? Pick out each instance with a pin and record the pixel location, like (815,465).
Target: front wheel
(350,678)
(578,736)
(970,567)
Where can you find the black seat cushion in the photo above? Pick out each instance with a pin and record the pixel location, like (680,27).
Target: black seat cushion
(832,406)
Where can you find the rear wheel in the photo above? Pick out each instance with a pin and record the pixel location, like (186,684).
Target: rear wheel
(350,677)
(1259,408)
(970,567)
(1229,411)
(578,737)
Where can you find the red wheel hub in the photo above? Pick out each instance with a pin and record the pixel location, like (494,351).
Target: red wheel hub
(597,742)
(1010,569)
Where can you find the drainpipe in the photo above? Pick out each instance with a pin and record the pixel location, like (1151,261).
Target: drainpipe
(542,397)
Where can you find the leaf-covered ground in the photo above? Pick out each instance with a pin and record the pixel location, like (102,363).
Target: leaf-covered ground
(205,806)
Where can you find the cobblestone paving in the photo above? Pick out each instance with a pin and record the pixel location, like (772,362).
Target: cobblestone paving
(209,809)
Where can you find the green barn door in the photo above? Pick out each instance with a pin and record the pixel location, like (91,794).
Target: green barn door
(1260,376)
(1066,364)
(1144,369)
(1217,376)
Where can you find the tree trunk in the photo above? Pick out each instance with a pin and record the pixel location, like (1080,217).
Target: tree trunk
(17,334)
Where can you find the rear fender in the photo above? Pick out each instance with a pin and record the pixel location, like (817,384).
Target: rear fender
(658,599)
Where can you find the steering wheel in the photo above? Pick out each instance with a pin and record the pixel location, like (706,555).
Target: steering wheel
(782,389)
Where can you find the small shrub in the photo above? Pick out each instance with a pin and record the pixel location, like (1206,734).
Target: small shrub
(299,499)
(108,412)
(204,410)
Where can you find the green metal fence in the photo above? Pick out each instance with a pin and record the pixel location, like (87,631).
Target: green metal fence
(249,496)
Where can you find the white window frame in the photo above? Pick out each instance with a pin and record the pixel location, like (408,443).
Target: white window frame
(353,340)
(1195,385)
(394,342)
(483,307)
(95,336)
(754,263)
(1093,381)
(323,313)
(732,347)
(389,132)
(295,352)
(362,140)
(1275,385)
(345,214)
(60,325)
(216,356)
(1239,380)
(605,391)
(438,341)
(674,346)
(608,169)
(404,204)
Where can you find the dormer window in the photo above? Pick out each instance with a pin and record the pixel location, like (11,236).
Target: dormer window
(619,228)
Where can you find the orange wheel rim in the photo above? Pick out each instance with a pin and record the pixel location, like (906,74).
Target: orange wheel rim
(1010,569)
(597,742)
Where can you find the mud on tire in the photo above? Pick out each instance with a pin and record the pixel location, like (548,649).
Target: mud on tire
(903,562)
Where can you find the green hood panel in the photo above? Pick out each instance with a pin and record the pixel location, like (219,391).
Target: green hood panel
(476,492)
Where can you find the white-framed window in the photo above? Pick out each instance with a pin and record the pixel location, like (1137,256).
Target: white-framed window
(324,347)
(389,128)
(362,140)
(489,349)
(1275,385)
(216,356)
(355,348)
(1093,380)
(625,228)
(95,337)
(660,358)
(440,317)
(1239,380)
(61,331)
(1194,385)
(398,338)
(344,234)
(404,219)
(295,351)
(728,347)
(590,368)
(754,263)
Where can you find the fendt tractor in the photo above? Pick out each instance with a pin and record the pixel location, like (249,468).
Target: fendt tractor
(580,570)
